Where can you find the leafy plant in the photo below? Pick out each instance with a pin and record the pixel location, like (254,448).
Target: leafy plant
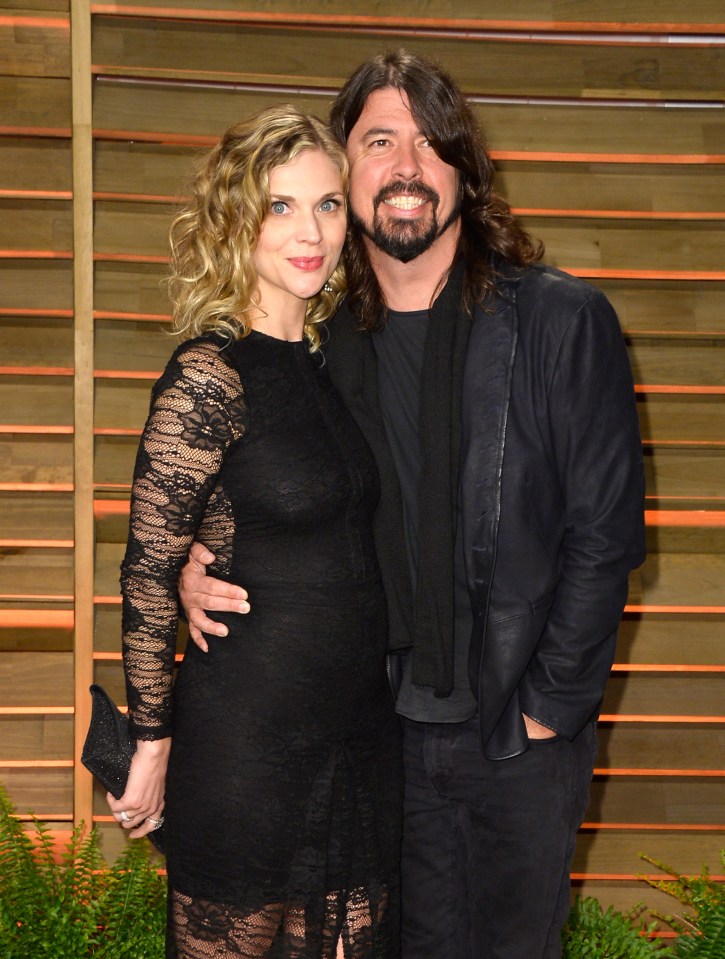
(702,933)
(593,934)
(69,903)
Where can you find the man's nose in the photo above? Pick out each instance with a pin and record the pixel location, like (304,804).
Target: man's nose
(406,162)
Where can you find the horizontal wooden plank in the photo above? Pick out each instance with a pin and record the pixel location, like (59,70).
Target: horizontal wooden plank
(32,45)
(147,168)
(667,747)
(634,799)
(35,106)
(40,639)
(39,790)
(694,694)
(700,539)
(114,459)
(36,341)
(683,579)
(36,679)
(35,165)
(41,285)
(36,459)
(624,189)
(680,361)
(111,398)
(697,418)
(36,399)
(36,737)
(675,473)
(36,572)
(132,228)
(671,638)
(649,17)
(36,515)
(616,853)
(646,306)
(574,131)
(128,345)
(637,245)
(130,288)
(547,14)
(56,6)
(496,66)
(32,225)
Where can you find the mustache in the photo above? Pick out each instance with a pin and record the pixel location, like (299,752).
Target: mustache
(407,189)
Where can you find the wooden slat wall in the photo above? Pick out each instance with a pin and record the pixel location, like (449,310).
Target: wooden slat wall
(607,121)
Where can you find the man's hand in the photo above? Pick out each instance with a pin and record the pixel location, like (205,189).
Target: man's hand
(536,730)
(199,592)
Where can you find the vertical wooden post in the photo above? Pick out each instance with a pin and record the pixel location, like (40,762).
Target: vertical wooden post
(82,105)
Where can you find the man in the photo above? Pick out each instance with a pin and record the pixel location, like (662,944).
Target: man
(498,400)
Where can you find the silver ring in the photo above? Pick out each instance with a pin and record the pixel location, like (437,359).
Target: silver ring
(125,816)
(156,823)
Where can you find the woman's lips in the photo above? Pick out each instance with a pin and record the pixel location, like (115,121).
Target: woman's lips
(310,263)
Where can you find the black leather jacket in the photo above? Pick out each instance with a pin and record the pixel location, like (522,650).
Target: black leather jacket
(552,495)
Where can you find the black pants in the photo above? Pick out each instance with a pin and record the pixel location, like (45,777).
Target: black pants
(487,845)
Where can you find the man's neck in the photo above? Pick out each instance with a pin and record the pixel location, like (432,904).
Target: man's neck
(407,287)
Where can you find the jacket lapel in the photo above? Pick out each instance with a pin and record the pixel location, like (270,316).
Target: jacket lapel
(486,395)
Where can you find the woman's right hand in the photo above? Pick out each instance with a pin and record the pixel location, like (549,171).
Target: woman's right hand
(199,592)
(143,800)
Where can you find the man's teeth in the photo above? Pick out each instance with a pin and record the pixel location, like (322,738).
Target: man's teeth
(405,202)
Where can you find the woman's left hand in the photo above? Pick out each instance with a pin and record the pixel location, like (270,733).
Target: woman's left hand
(140,809)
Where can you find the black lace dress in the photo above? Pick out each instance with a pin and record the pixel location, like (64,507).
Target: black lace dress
(282,794)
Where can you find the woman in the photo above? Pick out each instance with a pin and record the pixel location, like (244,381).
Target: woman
(281,794)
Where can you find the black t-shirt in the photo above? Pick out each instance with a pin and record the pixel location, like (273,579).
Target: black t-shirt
(399,349)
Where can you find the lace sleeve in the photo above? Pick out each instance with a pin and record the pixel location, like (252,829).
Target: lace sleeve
(197,413)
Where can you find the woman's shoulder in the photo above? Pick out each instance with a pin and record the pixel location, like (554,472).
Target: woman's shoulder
(204,362)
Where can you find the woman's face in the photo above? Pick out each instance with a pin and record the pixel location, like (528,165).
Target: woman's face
(302,235)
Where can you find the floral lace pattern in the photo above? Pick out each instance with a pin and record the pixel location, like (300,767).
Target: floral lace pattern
(283,787)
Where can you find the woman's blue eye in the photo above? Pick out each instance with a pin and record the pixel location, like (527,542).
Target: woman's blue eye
(328,206)
(279,207)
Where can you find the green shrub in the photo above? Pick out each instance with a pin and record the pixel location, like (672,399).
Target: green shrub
(70,904)
(701,934)
(593,934)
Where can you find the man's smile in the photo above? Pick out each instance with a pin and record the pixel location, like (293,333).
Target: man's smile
(405,201)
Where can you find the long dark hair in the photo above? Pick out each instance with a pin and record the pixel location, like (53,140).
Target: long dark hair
(443,115)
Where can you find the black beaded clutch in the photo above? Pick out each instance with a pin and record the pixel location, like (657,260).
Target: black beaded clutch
(108,750)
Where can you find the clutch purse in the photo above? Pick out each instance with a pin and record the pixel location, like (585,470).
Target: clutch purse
(108,750)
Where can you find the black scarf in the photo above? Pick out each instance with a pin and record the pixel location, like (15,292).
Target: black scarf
(440,444)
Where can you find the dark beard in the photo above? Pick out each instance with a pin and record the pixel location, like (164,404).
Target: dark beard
(404,240)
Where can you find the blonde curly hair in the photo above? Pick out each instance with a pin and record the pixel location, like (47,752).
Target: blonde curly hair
(213,281)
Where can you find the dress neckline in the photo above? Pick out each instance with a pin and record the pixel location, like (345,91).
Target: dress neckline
(276,339)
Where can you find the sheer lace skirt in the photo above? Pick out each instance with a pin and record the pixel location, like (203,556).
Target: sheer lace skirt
(337,894)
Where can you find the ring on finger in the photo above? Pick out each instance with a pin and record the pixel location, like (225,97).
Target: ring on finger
(125,816)
(156,823)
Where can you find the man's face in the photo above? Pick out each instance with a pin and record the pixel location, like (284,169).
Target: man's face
(402,195)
